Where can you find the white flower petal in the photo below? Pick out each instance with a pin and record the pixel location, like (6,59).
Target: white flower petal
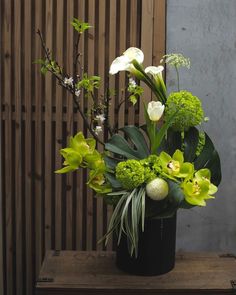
(121,63)
(134,53)
(155,110)
(154,70)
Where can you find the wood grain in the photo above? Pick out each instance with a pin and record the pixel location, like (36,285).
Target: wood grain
(96,273)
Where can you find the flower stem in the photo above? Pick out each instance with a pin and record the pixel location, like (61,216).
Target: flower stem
(177,74)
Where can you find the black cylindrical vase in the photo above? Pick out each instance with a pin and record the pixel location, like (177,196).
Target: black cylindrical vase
(156,249)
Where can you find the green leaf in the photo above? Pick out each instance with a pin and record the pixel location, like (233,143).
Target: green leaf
(136,136)
(118,145)
(191,138)
(111,162)
(80,26)
(209,158)
(161,133)
(113,181)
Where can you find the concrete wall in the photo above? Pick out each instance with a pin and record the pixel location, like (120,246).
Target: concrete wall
(205,31)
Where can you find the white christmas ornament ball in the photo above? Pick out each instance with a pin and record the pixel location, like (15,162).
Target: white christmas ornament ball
(157,189)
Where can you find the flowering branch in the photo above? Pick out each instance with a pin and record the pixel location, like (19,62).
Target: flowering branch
(52,67)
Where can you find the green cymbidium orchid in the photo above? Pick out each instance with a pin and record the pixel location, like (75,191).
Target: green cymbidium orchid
(199,188)
(97,182)
(174,166)
(77,154)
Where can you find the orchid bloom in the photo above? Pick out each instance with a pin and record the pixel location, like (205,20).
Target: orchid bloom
(155,110)
(124,62)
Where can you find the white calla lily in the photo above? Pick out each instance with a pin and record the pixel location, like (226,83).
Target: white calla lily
(124,62)
(154,70)
(155,110)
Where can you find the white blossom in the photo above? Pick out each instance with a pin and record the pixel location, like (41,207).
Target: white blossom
(98,129)
(101,118)
(68,81)
(155,110)
(124,62)
(154,70)
(77,92)
(132,82)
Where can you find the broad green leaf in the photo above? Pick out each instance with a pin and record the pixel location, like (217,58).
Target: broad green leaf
(113,181)
(136,136)
(191,138)
(111,162)
(118,145)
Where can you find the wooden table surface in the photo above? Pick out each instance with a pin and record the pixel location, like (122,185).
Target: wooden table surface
(77,272)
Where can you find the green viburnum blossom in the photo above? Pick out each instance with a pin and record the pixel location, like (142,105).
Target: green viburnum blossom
(190,112)
(130,174)
(151,167)
(174,166)
(199,188)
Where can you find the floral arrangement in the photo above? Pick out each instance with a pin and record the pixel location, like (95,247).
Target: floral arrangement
(147,171)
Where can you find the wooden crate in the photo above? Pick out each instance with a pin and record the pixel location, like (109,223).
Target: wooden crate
(90,273)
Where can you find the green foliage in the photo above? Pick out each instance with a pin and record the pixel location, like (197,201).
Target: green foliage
(48,65)
(120,146)
(135,91)
(127,217)
(89,83)
(190,112)
(80,26)
(130,174)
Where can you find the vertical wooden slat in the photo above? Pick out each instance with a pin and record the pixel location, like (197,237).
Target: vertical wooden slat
(79,181)
(122,48)
(38,146)
(18,151)
(59,118)
(146,46)
(28,147)
(89,215)
(100,50)
(48,131)
(112,56)
(69,109)
(1,154)
(159,31)
(8,146)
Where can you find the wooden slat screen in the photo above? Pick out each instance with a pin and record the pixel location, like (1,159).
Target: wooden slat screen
(41,210)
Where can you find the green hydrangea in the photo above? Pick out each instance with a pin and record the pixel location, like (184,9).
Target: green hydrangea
(190,110)
(151,167)
(130,174)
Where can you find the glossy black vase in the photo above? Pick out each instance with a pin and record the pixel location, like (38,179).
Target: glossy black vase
(156,249)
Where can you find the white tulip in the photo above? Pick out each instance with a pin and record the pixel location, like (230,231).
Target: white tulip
(157,189)
(154,70)
(124,62)
(155,110)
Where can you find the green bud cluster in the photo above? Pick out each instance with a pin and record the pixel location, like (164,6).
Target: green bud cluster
(190,112)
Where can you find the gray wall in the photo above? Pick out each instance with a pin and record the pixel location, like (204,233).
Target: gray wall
(205,31)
